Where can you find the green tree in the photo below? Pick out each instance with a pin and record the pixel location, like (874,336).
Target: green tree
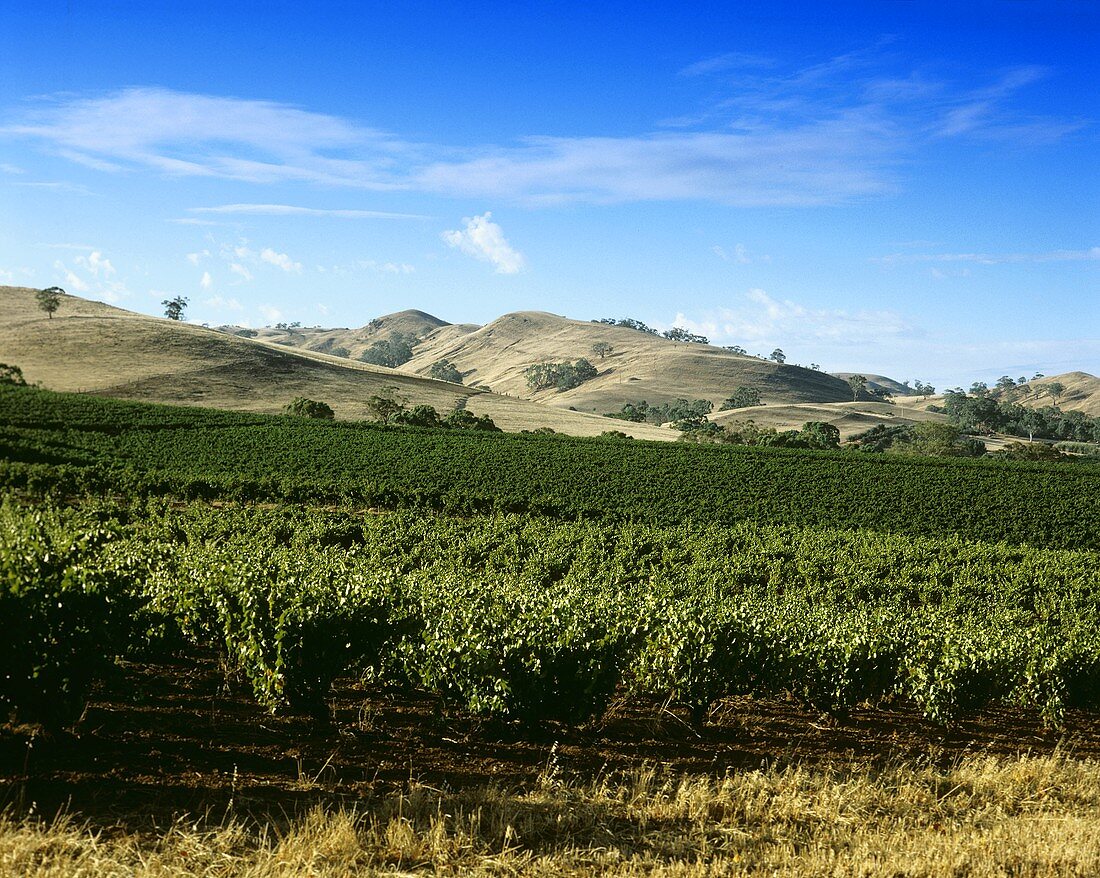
(742,397)
(445,370)
(778,356)
(418,416)
(12,376)
(858,383)
(602,348)
(392,352)
(385,405)
(174,308)
(819,434)
(1056,389)
(49,300)
(309,408)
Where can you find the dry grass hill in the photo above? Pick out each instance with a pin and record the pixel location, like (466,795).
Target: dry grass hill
(1081,393)
(850,418)
(879,382)
(639,367)
(92,347)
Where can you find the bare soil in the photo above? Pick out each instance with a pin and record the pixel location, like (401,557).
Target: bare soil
(164,739)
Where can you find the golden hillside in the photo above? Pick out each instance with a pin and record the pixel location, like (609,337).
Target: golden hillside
(639,367)
(850,418)
(93,347)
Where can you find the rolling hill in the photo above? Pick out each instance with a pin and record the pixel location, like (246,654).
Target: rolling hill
(93,347)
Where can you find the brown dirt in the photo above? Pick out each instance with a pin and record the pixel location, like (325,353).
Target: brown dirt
(161,740)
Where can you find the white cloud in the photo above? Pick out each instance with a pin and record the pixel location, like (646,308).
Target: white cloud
(280,260)
(322,309)
(240,271)
(760,318)
(831,131)
(740,254)
(196,258)
(95,263)
(387,267)
(72,280)
(292,210)
(270,314)
(207,281)
(11,169)
(1092,253)
(219,302)
(483,239)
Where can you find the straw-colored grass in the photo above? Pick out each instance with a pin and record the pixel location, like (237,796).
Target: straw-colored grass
(986,816)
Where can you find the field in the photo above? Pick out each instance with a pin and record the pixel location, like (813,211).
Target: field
(261,645)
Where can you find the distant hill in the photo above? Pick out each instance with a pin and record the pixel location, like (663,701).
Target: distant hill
(639,367)
(93,347)
(850,418)
(879,382)
(352,342)
(1081,393)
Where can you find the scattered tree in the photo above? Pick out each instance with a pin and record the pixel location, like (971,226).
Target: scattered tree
(819,435)
(628,322)
(858,383)
(1056,389)
(445,370)
(12,376)
(678,333)
(49,300)
(742,397)
(778,356)
(308,408)
(602,348)
(563,376)
(736,349)
(385,405)
(418,416)
(174,308)
(392,352)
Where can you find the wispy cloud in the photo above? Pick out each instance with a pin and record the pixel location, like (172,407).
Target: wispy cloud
(483,239)
(1092,253)
(387,267)
(834,130)
(243,273)
(280,260)
(223,304)
(293,210)
(207,281)
(740,254)
(761,318)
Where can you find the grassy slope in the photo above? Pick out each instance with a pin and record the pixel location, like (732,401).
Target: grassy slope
(850,418)
(642,366)
(90,346)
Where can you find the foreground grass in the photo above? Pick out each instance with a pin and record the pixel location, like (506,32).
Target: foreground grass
(986,816)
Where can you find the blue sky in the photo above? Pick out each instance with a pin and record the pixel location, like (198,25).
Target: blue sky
(895,187)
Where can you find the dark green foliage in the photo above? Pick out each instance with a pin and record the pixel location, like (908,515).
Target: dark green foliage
(742,397)
(49,299)
(174,308)
(12,375)
(563,376)
(393,352)
(418,416)
(819,435)
(629,323)
(101,445)
(678,333)
(460,419)
(309,408)
(445,370)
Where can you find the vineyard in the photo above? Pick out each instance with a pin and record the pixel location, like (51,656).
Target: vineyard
(417,600)
(536,620)
(64,443)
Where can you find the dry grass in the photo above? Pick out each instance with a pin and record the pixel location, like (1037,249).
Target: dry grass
(90,346)
(986,816)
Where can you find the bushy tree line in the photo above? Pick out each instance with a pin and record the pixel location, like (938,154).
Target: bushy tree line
(563,376)
(981,412)
(814,435)
(929,439)
(676,411)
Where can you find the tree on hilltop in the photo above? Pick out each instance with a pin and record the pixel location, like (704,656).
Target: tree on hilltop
(174,308)
(49,299)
